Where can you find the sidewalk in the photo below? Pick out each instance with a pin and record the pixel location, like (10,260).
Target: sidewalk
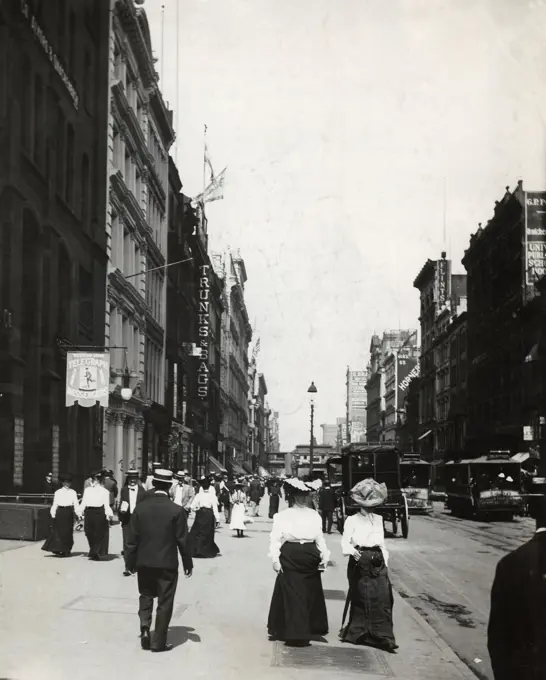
(66,618)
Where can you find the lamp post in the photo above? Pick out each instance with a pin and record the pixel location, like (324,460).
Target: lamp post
(311,391)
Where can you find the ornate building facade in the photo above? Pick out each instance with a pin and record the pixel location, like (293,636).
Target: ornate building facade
(53,122)
(139,137)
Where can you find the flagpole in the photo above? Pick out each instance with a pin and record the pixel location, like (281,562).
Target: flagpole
(204,166)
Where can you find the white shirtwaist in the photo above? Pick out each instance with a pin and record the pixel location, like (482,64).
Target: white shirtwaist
(297,525)
(366,531)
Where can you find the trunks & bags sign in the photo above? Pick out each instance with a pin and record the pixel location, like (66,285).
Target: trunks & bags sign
(87,378)
(535,236)
(204,332)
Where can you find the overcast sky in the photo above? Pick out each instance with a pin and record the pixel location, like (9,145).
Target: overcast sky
(338,121)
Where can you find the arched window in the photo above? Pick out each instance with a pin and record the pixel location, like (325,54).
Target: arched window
(85,191)
(38,121)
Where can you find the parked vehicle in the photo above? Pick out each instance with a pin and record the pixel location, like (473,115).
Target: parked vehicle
(486,486)
(416,483)
(379,462)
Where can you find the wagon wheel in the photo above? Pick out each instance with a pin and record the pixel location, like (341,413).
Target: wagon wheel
(405,519)
(394,523)
(340,516)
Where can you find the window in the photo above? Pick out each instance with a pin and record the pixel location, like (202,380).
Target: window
(61,143)
(127,245)
(87,82)
(72,42)
(118,71)
(61,23)
(38,120)
(85,191)
(85,316)
(69,186)
(25,103)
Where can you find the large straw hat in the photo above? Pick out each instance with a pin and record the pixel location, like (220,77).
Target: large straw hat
(164,476)
(297,485)
(368,493)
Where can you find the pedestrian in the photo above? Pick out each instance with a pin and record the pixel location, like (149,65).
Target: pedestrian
(327,504)
(517,620)
(149,484)
(369,597)
(49,486)
(131,494)
(254,493)
(182,492)
(205,506)
(110,484)
(299,553)
(65,505)
(225,500)
(238,513)
(274,488)
(95,507)
(157,533)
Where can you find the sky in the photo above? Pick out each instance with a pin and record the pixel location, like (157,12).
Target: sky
(361,137)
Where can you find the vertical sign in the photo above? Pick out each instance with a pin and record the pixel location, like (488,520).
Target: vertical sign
(442,283)
(407,369)
(18,450)
(175,390)
(535,236)
(87,378)
(204,332)
(55,452)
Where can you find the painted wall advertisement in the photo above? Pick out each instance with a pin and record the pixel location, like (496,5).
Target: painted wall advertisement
(535,236)
(204,332)
(87,378)
(407,371)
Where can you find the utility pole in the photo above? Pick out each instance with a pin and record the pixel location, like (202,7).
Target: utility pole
(311,442)
(348,423)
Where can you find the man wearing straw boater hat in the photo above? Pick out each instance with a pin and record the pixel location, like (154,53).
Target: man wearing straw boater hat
(149,484)
(157,533)
(182,491)
(130,495)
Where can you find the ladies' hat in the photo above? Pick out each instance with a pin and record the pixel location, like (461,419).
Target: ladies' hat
(296,484)
(164,476)
(368,493)
(314,485)
(65,477)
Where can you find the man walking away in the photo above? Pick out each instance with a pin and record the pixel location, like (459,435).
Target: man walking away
(327,506)
(274,488)
(516,635)
(254,493)
(110,484)
(131,494)
(158,529)
(149,483)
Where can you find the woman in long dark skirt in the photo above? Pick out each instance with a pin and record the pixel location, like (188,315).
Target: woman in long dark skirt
(299,553)
(97,512)
(370,599)
(207,518)
(65,505)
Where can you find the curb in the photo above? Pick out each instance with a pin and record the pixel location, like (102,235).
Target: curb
(451,655)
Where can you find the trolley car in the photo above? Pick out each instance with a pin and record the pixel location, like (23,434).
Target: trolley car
(484,486)
(382,463)
(416,483)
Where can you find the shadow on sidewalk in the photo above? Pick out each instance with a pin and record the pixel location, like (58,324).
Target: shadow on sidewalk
(72,554)
(179,635)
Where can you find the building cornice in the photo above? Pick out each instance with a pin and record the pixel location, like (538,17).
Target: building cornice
(425,275)
(128,20)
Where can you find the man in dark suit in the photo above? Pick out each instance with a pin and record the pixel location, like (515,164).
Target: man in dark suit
(516,636)
(131,494)
(327,504)
(158,532)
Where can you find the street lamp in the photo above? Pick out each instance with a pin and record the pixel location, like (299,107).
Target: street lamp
(126,392)
(311,391)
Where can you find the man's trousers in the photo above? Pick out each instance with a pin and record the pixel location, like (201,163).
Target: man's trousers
(160,583)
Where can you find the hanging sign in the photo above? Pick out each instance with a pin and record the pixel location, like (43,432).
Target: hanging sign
(204,331)
(535,236)
(87,378)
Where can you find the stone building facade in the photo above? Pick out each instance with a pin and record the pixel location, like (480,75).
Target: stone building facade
(53,122)
(140,135)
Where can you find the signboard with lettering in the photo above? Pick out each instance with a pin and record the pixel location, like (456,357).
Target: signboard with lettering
(442,284)
(535,236)
(87,378)
(407,369)
(204,332)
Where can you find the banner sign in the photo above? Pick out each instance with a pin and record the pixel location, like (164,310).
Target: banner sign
(407,370)
(87,378)
(535,236)
(204,332)
(443,288)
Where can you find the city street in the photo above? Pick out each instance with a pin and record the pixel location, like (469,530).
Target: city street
(61,618)
(445,570)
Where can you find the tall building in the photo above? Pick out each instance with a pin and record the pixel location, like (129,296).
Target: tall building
(401,366)
(329,435)
(140,135)
(378,391)
(236,337)
(356,402)
(504,263)
(53,122)
(275,435)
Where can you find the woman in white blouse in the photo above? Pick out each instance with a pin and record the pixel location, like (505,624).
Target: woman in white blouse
(65,505)
(95,507)
(207,518)
(238,510)
(299,554)
(370,591)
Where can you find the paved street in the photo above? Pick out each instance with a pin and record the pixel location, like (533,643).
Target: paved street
(61,618)
(445,570)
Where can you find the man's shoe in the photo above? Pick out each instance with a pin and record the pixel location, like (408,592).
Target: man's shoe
(165,648)
(127,573)
(145,638)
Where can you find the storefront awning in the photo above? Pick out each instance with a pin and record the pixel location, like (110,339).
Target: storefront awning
(247,467)
(424,435)
(216,466)
(263,472)
(236,469)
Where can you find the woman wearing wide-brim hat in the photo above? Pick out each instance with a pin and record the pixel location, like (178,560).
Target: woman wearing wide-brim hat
(65,505)
(238,510)
(299,553)
(370,598)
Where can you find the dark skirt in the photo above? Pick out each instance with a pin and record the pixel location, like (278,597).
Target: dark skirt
(202,534)
(371,601)
(61,533)
(298,609)
(273,505)
(97,531)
